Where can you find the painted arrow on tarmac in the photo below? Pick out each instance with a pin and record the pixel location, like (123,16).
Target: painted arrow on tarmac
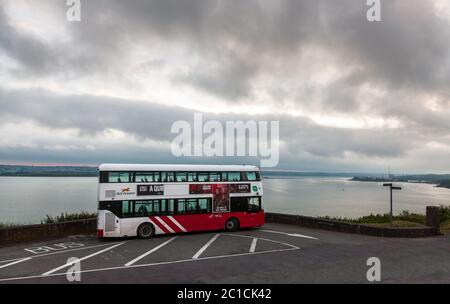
(291,234)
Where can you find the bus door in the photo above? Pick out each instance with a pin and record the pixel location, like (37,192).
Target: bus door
(111,223)
(254,210)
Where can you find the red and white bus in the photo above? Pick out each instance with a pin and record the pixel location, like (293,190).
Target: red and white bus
(144,200)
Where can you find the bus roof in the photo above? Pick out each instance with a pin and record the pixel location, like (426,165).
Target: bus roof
(158,167)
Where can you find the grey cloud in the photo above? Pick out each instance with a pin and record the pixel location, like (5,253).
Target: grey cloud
(90,114)
(409,49)
(93,115)
(230,80)
(31,53)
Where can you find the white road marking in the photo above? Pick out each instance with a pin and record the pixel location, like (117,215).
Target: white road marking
(253,246)
(149,252)
(198,253)
(262,239)
(53,253)
(151,264)
(164,224)
(290,234)
(177,223)
(15,262)
(82,259)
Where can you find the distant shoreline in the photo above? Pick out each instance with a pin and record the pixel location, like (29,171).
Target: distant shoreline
(439,180)
(404,179)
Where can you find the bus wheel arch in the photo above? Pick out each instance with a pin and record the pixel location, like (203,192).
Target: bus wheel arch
(232,224)
(145,230)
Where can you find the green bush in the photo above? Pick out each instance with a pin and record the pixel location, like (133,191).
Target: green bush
(405,216)
(444,212)
(65,217)
(4,226)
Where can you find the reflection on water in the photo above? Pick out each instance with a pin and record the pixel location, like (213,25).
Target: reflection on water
(29,199)
(341,197)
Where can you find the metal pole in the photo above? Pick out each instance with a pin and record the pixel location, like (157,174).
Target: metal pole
(391,206)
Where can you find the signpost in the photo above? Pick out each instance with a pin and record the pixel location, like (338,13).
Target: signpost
(392,187)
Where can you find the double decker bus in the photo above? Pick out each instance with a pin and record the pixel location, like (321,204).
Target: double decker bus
(144,200)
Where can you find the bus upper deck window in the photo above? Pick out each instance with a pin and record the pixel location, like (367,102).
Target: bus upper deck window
(251,176)
(203,177)
(234,176)
(192,176)
(168,177)
(119,177)
(224,176)
(181,176)
(214,177)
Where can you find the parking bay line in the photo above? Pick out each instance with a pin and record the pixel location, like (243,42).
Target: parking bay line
(15,262)
(150,251)
(262,239)
(253,246)
(151,264)
(198,253)
(81,259)
(290,234)
(52,253)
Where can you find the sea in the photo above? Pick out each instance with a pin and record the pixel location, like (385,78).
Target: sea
(27,200)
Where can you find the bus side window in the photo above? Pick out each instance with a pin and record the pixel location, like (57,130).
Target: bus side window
(192,206)
(163,207)
(127,209)
(204,205)
(254,204)
(181,206)
(156,209)
(170,206)
(141,208)
(238,204)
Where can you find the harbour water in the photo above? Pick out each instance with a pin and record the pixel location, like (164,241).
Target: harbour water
(27,200)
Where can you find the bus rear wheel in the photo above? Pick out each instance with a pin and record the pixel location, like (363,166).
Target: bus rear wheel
(232,225)
(145,231)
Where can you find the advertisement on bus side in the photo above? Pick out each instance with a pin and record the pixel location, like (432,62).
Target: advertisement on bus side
(221,198)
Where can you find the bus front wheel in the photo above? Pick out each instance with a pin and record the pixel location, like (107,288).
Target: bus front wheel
(232,225)
(145,231)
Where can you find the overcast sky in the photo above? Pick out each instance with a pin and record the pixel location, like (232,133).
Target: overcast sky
(350,95)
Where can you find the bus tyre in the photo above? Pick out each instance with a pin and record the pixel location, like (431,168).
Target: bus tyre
(145,231)
(232,225)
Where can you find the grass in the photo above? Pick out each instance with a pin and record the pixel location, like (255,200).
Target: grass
(404,219)
(445,227)
(5,226)
(398,224)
